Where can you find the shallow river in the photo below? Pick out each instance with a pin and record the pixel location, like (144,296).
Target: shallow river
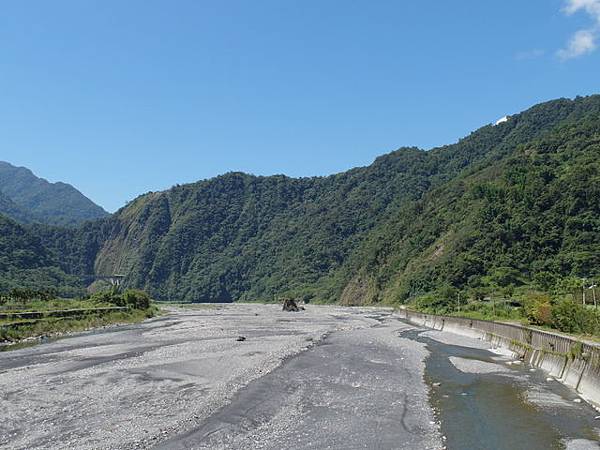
(485,403)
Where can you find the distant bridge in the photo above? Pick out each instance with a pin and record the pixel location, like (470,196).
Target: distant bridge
(115,279)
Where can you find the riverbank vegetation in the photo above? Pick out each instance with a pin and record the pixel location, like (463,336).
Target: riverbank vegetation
(26,313)
(571,307)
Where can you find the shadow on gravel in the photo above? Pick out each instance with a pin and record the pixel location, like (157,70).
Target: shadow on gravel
(343,393)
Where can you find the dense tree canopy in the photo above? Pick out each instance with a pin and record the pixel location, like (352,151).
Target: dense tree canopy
(25,262)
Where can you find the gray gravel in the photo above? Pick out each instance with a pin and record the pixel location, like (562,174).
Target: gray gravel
(467,365)
(328,377)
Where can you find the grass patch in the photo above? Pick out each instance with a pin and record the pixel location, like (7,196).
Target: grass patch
(52,326)
(55,304)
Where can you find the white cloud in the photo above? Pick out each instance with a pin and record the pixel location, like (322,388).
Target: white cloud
(592,7)
(583,41)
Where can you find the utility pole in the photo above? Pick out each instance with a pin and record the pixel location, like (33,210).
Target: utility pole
(458,300)
(593,288)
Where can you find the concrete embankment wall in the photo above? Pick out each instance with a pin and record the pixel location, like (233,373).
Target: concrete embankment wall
(572,362)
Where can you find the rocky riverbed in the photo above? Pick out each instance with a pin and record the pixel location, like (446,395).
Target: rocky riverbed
(252,376)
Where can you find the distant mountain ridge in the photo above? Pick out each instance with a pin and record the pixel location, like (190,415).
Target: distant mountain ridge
(28,198)
(512,204)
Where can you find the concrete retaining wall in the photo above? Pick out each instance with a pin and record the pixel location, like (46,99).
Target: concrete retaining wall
(572,362)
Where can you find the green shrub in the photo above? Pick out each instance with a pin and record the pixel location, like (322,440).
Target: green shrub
(537,308)
(572,317)
(433,304)
(544,314)
(136,299)
(131,298)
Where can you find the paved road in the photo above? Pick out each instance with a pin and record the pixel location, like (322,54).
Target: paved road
(328,376)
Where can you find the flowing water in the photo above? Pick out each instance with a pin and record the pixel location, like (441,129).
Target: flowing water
(514,407)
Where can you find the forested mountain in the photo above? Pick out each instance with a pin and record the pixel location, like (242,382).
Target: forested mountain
(518,201)
(37,200)
(10,209)
(528,214)
(26,262)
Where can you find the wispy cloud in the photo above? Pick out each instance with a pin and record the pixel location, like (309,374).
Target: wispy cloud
(583,41)
(529,54)
(592,7)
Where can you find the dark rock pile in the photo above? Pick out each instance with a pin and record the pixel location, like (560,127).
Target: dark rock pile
(291,305)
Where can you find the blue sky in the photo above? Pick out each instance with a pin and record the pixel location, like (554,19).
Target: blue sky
(122,97)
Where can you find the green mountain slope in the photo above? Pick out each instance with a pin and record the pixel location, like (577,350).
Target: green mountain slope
(399,227)
(531,216)
(26,262)
(10,209)
(41,201)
